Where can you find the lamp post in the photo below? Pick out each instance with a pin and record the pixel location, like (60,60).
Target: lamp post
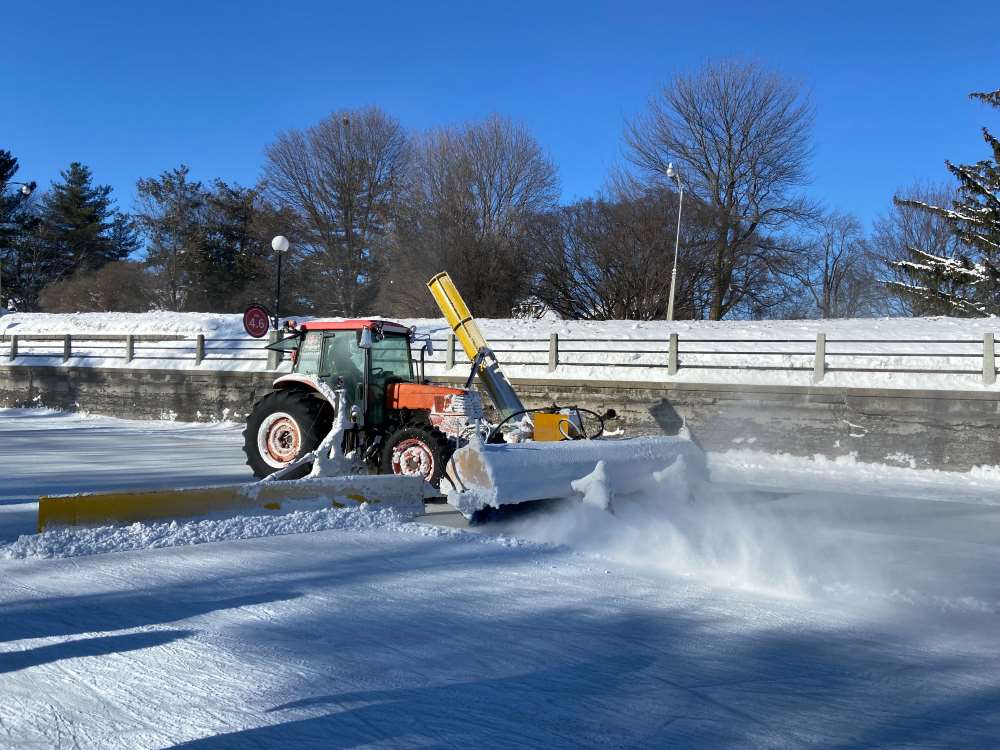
(280,245)
(671,172)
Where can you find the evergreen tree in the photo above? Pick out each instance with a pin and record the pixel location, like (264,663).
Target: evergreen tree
(172,216)
(235,258)
(966,283)
(79,228)
(209,248)
(17,223)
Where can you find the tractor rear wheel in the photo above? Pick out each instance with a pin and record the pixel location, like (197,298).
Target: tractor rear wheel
(417,450)
(283,426)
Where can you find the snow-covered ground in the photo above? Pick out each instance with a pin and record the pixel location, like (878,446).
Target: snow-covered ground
(929,353)
(832,605)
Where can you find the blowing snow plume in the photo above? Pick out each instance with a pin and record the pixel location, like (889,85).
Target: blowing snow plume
(681,524)
(868,549)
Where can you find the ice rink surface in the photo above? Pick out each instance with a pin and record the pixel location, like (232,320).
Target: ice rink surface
(791,604)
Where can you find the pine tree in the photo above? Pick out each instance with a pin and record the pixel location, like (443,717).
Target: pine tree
(171,215)
(17,223)
(79,228)
(968,282)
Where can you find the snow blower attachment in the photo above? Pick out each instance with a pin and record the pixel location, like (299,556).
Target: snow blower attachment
(549,452)
(492,476)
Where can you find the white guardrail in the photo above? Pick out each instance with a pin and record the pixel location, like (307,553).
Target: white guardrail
(569,357)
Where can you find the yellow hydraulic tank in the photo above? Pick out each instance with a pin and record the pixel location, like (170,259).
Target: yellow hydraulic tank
(550,427)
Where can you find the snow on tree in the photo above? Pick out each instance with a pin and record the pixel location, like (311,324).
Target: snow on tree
(968,282)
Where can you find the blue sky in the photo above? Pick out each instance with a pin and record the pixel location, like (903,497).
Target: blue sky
(133,88)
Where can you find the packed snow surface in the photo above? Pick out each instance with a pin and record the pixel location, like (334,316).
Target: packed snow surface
(783,603)
(927,353)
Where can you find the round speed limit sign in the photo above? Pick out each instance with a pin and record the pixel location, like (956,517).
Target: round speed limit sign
(256,321)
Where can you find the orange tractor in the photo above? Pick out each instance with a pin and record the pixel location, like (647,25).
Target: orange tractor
(399,424)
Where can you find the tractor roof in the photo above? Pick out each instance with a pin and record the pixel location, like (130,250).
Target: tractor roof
(339,324)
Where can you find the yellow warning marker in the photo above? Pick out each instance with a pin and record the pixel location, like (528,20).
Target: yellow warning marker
(103,508)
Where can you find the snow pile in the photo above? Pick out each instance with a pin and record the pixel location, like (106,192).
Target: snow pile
(503,330)
(946,353)
(980,485)
(74,542)
(112,323)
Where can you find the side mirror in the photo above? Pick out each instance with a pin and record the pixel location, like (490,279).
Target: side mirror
(366,338)
(429,347)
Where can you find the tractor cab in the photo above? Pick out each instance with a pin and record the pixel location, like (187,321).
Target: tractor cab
(362,356)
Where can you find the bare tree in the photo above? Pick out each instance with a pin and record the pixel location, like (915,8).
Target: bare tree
(835,271)
(341,177)
(740,137)
(610,258)
(473,191)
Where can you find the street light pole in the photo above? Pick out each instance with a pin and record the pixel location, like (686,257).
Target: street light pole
(280,245)
(671,172)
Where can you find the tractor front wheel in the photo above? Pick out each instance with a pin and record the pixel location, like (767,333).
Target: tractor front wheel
(283,426)
(417,451)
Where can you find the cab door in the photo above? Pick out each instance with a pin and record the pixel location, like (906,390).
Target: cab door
(343,358)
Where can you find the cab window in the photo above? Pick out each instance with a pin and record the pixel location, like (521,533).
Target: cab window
(343,358)
(307,360)
(391,358)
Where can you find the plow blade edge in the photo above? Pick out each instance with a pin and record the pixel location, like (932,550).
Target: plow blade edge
(405,493)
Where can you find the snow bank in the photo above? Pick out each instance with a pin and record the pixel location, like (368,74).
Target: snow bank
(111,323)
(74,542)
(980,485)
(501,330)
(859,352)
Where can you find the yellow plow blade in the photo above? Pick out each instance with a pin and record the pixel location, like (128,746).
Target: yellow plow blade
(101,508)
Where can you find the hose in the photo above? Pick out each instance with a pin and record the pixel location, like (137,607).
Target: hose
(609,414)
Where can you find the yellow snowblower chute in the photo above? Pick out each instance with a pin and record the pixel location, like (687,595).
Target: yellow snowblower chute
(456,312)
(466,330)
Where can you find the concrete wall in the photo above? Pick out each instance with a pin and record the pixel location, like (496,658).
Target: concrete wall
(936,429)
(186,395)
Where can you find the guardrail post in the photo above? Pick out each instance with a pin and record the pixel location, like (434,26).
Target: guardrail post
(199,349)
(129,347)
(449,352)
(989,360)
(273,357)
(67,347)
(819,366)
(672,355)
(13,346)
(553,351)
